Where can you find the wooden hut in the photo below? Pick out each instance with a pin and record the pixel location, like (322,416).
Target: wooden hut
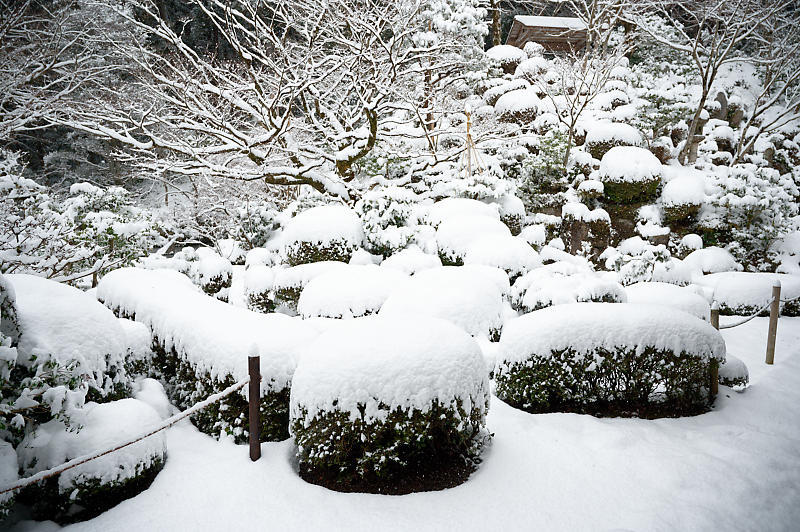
(556,34)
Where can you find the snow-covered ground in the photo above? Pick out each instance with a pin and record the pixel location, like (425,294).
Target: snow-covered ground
(735,468)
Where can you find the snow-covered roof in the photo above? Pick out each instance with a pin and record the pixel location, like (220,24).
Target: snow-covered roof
(569,23)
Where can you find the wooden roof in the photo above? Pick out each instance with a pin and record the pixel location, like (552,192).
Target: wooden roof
(556,34)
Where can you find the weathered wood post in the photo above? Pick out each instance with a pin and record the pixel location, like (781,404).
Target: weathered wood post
(254,398)
(774,312)
(714,363)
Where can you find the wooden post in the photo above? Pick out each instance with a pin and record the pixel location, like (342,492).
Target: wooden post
(714,363)
(774,312)
(254,399)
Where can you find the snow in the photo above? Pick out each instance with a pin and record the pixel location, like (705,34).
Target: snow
(591,186)
(733,468)
(585,327)
(152,392)
(402,362)
(509,253)
(411,260)
(323,224)
(669,295)
(550,287)
(629,164)
(602,131)
(102,425)
(297,277)
(468,296)
(458,207)
(231,250)
(535,235)
(61,323)
(733,369)
(8,470)
(258,280)
(210,265)
(534,66)
(748,290)
(692,241)
(455,235)
(579,211)
(506,53)
(210,334)
(711,260)
(686,190)
(349,292)
(570,23)
(521,100)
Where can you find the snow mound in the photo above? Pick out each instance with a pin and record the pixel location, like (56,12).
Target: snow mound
(103,425)
(457,207)
(505,53)
(411,260)
(669,295)
(585,327)
(686,190)
(323,226)
(518,101)
(297,277)
(711,260)
(529,68)
(213,336)
(746,292)
(259,279)
(535,235)
(468,296)
(349,292)
(63,324)
(692,241)
(733,372)
(629,164)
(613,132)
(455,235)
(551,288)
(402,362)
(509,253)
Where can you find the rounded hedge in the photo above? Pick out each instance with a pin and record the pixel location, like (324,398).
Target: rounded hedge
(608,359)
(390,405)
(328,232)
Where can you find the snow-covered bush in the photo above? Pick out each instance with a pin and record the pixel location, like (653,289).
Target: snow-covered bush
(468,296)
(506,56)
(202,346)
(519,106)
(456,234)
(608,359)
(550,286)
(743,293)
(411,260)
(636,260)
(139,347)
(748,210)
(214,274)
(509,253)
(93,487)
(349,292)
(8,475)
(629,174)
(682,198)
(88,230)
(733,372)
(670,295)
(70,349)
(711,260)
(258,289)
(390,405)
(387,214)
(458,207)
(288,283)
(602,136)
(328,232)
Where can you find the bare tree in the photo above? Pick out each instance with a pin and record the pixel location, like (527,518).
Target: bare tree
(712,32)
(301,104)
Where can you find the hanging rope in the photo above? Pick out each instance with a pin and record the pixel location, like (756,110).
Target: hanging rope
(745,320)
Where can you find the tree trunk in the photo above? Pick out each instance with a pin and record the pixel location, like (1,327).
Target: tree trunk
(693,128)
(497,35)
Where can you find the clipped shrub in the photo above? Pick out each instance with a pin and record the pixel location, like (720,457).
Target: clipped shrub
(670,295)
(388,214)
(602,136)
(682,198)
(91,488)
(629,175)
(213,273)
(202,346)
(456,234)
(549,287)
(371,411)
(325,233)
(608,359)
(258,285)
(506,56)
(288,283)
(8,475)
(519,106)
(509,253)
(743,293)
(733,372)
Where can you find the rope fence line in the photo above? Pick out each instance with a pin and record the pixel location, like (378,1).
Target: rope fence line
(748,318)
(75,462)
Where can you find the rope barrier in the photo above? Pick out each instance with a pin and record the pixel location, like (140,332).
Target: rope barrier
(43,475)
(742,322)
